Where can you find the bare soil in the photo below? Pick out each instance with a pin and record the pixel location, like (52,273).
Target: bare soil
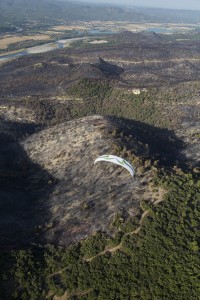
(5,42)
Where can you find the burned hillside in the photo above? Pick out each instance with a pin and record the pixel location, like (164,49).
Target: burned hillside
(63,196)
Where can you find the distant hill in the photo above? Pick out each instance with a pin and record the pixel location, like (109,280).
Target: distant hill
(54,10)
(47,12)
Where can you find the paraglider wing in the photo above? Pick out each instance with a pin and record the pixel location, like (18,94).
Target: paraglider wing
(117,160)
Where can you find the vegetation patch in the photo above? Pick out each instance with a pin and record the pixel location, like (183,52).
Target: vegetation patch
(161,261)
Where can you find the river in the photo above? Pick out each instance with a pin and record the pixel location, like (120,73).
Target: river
(40,49)
(66,43)
(50,46)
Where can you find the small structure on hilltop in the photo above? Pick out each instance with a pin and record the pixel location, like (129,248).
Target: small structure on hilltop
(138,91)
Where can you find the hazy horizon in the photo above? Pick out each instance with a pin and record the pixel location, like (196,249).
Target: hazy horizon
(178,4)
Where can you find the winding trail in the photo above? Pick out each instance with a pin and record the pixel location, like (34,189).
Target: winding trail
(120,245)
(159,199)
(137,62)
(113,249)
(67,295)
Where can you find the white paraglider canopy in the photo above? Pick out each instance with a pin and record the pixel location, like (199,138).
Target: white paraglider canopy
(116,160)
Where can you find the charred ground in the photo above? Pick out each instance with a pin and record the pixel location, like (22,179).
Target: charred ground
(51,189)
(139,59)
(51,89)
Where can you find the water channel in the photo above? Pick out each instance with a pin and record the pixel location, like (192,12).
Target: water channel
(66,42)
(50,46)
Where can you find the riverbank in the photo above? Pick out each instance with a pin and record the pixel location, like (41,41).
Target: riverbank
(39,49)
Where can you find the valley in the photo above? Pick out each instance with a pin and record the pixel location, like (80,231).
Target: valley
(22,41)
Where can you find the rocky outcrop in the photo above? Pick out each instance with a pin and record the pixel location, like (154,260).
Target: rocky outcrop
(109,69)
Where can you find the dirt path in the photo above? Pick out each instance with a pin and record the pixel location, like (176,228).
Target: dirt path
(119,246)
(113,249)
(66,295)
(153,60)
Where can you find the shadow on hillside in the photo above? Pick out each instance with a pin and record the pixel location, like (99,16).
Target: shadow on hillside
(153,143)
(24,188)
